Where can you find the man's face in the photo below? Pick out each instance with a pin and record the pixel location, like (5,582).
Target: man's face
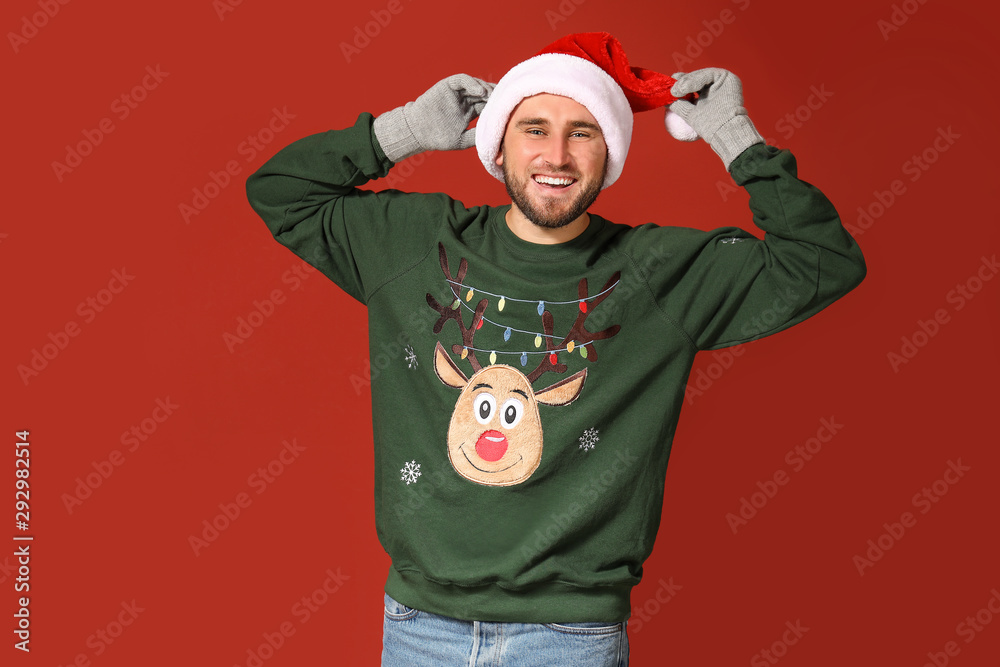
(554,159)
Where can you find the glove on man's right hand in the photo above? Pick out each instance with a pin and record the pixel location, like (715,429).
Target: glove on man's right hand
(438,120)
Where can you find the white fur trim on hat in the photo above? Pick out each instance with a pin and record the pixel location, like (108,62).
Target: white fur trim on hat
(558,74)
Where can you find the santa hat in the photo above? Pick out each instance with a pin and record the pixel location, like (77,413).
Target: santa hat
(592,69)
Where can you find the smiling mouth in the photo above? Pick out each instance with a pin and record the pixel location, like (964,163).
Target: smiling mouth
(461,448)
(554,182)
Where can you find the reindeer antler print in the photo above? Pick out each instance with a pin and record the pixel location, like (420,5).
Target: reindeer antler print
(453,310)
(578,334)
(578,337)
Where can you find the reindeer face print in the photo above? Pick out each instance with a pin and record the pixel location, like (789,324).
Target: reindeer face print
(495,433)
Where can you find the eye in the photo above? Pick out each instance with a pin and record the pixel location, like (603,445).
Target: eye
(484,406)
(511,412)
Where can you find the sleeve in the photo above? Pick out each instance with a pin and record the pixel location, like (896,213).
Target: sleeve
(729,287)
(308,195)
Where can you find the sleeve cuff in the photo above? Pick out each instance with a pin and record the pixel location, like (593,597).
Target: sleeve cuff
(737,135)
(394,135)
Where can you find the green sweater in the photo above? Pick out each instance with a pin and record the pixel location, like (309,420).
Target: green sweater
(523,427)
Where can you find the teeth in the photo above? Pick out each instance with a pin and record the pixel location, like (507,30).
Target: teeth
(549,180)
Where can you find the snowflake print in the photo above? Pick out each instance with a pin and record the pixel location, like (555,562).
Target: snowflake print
(410,472)
(411,357)
(589,439)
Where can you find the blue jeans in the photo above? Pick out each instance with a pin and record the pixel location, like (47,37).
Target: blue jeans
(413,638)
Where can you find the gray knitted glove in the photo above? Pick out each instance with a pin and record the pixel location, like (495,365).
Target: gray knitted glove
(436,121)
(718,115)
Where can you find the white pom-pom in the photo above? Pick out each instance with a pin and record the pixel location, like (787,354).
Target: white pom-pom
(678,127)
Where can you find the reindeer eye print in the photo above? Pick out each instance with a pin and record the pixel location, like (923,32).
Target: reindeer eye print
(511,412)
(484,406)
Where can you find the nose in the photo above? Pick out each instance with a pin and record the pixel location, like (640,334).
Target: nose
(557,151)
(491,446)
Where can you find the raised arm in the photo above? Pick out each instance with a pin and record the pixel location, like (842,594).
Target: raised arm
(728,286)
(308,193)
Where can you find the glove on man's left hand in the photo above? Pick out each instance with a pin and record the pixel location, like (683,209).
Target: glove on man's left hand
(438,120)
(718,115)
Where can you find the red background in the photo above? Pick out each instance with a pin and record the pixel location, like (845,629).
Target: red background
(161,336)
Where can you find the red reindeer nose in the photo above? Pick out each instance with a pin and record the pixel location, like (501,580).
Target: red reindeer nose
(491,446)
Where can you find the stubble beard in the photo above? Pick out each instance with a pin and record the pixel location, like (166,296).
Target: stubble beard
(547,215)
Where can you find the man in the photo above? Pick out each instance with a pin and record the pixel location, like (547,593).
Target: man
(518,507)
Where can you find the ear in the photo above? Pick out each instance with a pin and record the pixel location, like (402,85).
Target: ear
(446,369)
(499,157)
(563,392)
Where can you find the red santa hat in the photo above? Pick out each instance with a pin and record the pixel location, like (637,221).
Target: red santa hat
(592,69)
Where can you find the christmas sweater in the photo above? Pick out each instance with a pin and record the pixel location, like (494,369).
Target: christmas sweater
(521,434)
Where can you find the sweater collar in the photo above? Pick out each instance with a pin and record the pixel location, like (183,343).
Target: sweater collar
(542,252)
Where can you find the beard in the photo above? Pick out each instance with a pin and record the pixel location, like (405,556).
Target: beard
(548,213)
